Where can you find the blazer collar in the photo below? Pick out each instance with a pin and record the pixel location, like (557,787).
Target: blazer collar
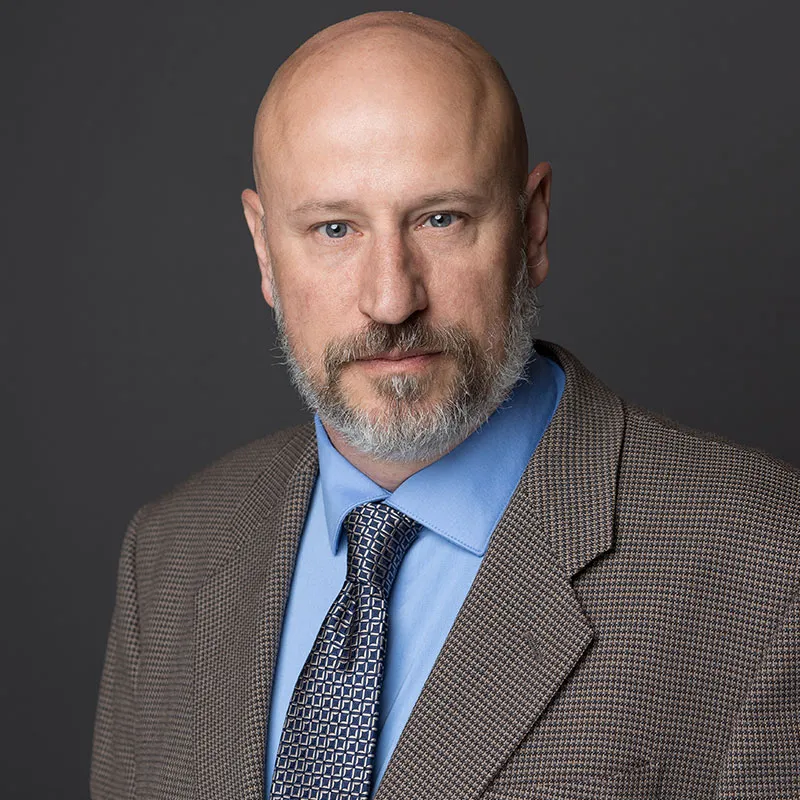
(572,477)
(516,639)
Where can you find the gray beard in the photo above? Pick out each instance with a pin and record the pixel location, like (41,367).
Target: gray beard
(406,428)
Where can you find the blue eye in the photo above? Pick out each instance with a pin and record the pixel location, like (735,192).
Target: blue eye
(335,230)
(440,220)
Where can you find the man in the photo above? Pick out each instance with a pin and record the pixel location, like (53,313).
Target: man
(480,573)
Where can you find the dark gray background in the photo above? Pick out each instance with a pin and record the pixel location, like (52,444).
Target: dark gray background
(136,346)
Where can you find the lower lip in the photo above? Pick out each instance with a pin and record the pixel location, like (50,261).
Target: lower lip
(411,363)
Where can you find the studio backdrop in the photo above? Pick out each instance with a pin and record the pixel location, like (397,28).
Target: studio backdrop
(136,346)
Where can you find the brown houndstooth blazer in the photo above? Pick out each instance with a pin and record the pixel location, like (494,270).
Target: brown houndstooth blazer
(633,632)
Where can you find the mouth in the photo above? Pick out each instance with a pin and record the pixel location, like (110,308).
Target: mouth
(400,355)
(397,360)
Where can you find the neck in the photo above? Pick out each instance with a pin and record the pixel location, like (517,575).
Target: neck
(387,474)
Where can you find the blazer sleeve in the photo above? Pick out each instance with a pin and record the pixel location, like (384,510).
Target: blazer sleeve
(763,756)
(113,752)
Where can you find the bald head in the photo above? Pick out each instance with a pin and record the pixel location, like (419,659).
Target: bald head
(423,70)
(391,161)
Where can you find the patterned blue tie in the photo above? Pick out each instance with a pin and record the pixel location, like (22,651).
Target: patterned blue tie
(328,740)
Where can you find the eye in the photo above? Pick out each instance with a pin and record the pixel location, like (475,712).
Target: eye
(333,230)
(441,220)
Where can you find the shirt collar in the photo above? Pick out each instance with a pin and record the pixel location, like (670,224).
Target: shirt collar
(462,495)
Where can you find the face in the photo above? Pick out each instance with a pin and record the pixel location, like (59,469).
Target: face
(393,253)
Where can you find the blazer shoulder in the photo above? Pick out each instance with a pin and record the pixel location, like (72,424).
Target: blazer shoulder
(224,481)
(191,521)
(740,497)
(668,438)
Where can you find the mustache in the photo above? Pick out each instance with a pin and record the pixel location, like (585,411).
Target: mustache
(412,334)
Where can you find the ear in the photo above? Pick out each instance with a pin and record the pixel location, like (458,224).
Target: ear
(537,215)
(254,215)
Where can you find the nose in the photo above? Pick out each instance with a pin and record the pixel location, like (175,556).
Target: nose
(391,286)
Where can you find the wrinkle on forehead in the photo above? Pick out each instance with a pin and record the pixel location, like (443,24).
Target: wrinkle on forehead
(382,45)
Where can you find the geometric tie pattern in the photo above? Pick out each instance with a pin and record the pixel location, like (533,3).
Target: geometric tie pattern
(328,739)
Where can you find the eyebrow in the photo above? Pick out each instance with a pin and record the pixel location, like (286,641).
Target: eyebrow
(312,206)
(438,199)
(451,196)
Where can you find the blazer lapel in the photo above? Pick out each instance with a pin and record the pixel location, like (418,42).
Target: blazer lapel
(521,629)
(239,613)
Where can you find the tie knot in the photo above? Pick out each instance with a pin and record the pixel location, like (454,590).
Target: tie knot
(378,537)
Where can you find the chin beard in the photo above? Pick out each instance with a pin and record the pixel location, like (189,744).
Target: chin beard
(409,425)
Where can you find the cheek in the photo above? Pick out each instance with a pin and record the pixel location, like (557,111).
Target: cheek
(314,311)
(472,284)
(475,294)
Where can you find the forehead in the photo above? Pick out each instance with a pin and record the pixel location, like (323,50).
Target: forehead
(382,115)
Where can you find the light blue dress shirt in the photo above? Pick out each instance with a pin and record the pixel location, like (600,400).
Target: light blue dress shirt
(459,500)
